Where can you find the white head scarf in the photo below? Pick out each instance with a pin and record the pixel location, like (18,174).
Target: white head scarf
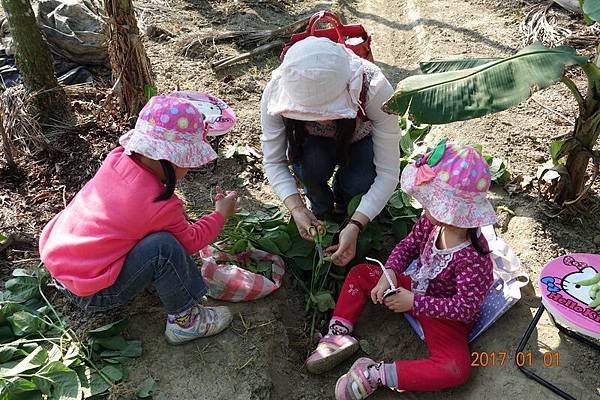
(318,80)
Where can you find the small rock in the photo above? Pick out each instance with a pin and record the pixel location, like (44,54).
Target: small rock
(597,240)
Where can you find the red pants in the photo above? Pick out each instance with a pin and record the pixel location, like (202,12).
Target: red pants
(449,361)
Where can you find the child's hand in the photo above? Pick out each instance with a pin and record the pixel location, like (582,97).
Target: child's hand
(226,203)
(379,289)
(402,301)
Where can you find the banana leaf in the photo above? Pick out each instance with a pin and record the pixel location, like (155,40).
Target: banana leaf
(434,66)
(591,9)
(458,95)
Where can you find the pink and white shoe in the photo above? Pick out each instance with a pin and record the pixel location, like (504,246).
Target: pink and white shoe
(357,383)
(331,350)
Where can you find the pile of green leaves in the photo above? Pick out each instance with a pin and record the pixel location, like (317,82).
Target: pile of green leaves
(263,230)
(263,268)
(41,355)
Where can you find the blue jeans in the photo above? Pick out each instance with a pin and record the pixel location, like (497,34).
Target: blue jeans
(317,165)
(160,259)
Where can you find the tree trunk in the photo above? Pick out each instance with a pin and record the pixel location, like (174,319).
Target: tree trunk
(578,159)
(130,65)
(587,131)
(35,61)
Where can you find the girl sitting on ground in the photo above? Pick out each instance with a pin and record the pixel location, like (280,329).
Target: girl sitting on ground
(442,270)
(127,229)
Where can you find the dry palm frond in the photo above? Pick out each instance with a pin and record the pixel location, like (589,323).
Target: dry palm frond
(21,129)
(539,26)
(194,45)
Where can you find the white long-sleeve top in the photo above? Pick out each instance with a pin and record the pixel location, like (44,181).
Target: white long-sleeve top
(386,137)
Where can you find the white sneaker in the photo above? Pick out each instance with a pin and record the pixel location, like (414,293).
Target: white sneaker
(201,322)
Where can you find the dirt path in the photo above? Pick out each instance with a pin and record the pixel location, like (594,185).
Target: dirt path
(261,359)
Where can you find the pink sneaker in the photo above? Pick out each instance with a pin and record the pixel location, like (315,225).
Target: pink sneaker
(331,350)
(357,384)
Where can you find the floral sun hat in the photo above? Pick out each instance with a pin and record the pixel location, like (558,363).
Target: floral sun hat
(451,182)
(172,128)
(318,80)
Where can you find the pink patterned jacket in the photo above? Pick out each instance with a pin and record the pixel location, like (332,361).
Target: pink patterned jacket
(448,284)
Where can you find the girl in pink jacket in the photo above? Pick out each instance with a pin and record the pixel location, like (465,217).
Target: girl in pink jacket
(126,229)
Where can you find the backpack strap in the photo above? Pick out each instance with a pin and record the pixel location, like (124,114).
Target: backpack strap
(362,103)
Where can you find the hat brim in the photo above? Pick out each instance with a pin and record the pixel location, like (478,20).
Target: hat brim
(447,204)
(183,155)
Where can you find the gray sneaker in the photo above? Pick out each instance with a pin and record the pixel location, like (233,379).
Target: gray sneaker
(201,322)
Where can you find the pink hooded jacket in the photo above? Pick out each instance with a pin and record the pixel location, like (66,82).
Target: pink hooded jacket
(85,245)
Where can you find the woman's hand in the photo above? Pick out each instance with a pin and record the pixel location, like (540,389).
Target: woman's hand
(226,203)
(402,301)
(345,251)
(383,285)
(305,219)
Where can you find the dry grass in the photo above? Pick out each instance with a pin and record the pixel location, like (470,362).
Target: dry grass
(21,131)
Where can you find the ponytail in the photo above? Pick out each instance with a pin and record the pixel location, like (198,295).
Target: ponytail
(472,233)
(296,135)
(170,181)
(344,131)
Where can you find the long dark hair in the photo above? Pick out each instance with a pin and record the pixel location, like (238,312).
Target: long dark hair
(296,134)
(170,181)
(479,246)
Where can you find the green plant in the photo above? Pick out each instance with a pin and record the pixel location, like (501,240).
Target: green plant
(40,354)
(320,296)
(258,267)
(461,89)
(259,230)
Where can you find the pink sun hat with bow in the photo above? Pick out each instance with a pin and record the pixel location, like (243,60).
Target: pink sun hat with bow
(173,128)
(451,182)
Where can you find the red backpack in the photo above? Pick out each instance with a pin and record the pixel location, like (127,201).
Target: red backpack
(354,37)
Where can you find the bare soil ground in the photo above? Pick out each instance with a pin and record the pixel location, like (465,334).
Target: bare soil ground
(261,356)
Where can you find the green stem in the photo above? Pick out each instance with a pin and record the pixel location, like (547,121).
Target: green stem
(324,281)
(573,88)
(299,280)
(312,324)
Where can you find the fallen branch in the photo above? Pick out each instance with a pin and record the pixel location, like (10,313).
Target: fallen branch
(588,37)
(218,65)
(194,44)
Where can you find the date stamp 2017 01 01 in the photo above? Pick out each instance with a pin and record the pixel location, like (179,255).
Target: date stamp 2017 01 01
(521,358)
